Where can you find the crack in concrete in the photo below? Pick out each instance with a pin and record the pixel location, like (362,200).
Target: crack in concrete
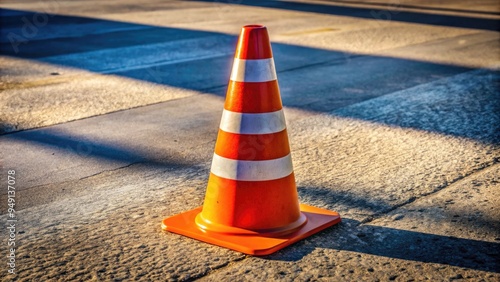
(454,182)
(105,171)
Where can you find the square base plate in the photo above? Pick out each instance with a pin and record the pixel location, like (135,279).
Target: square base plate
(317,220)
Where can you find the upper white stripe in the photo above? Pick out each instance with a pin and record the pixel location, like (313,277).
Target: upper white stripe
(243,123)
(261,70)
(252,170)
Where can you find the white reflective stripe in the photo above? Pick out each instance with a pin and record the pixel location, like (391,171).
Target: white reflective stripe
(252,170)
(244,123)
(253,70)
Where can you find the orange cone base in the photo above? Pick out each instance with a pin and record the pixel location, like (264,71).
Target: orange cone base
(317,220)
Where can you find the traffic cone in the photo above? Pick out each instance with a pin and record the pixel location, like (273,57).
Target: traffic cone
(251,203)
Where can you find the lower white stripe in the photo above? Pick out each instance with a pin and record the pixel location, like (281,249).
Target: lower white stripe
(261,70)
(252,170)
(243,123)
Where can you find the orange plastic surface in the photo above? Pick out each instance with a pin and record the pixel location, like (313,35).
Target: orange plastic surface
(253,97)
(250,205)
(253,43)
(257,245)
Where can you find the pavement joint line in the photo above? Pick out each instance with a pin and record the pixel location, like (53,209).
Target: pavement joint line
(162,63)
(435,40)
(457,181)
(83,178)
(106,171)
(73,180)
(98,115)
(196,169)
(332,62)
(323,63)
(97,32)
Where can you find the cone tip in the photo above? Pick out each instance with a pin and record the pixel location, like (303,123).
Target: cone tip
(253,26)
(253,43)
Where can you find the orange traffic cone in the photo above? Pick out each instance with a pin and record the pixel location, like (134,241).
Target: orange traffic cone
(251,203)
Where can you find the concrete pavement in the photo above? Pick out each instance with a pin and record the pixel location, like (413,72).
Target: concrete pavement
(110,113)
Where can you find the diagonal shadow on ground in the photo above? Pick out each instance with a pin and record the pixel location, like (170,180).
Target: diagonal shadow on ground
(401,244)
(378,79)
(352,235)
(100,45)
(387,13)
(81,146)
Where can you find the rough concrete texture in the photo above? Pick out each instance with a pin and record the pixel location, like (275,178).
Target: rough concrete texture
(51,95)
(111,111)
(176,50)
